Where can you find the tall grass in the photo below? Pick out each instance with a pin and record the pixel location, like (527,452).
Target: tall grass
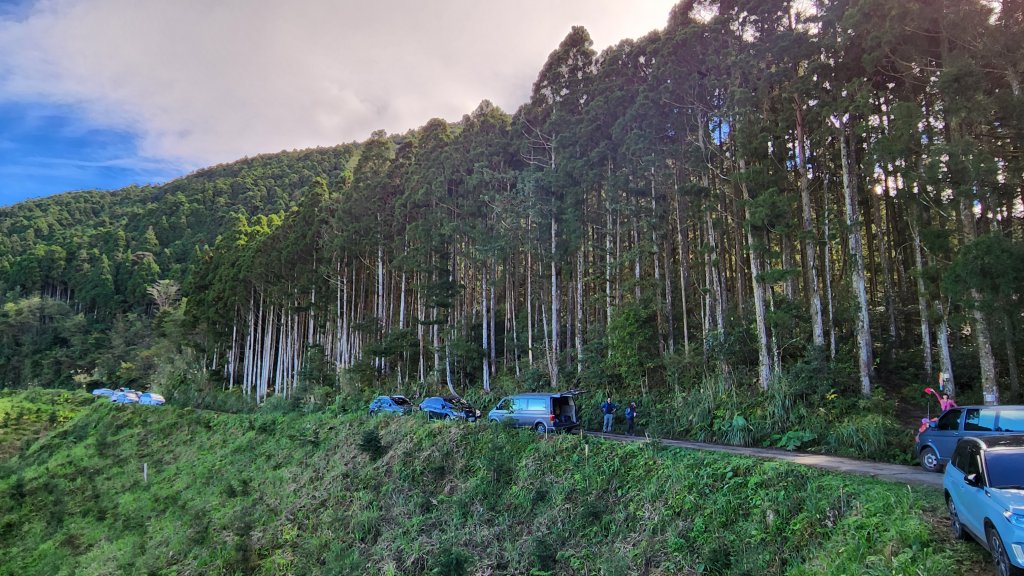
(317,493)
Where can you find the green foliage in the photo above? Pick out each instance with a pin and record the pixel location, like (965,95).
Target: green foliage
(269,493)
(371,445)
(632,342)
(809,407)
(993,267)
(794,439)
(451,562)
(26,415)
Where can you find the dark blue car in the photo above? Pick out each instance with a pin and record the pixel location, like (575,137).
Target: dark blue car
(935,445)
(447,408)
(392,404)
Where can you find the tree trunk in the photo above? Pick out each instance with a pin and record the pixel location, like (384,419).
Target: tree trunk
(863,329)
(483,323)
(810,234)
(945,360)
(884,260)
(579,310)
(764,373)
(922,298)
(980,328)
(608,268)
(1011,354)
(529,300)
(683,249)
(553,361)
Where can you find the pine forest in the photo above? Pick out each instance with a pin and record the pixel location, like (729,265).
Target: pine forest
(779,201)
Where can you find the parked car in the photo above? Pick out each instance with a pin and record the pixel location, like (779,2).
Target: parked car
(984,488)
(105,392)
(542,411)
(124,396)
(936,444)
(392,404)
(447,408)
(151,399)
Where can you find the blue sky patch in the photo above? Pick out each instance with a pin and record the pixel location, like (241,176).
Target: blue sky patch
(45,150)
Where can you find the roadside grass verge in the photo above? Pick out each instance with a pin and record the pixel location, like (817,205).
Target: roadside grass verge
(322,493)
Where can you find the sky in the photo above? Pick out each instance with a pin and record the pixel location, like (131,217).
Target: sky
(100,94)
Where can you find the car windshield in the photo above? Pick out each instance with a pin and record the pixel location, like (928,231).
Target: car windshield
(401,401)
(1004,469)
(459,403)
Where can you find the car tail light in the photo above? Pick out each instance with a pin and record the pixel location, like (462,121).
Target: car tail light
(552,417)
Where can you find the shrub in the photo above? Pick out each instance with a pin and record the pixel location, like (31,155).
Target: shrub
(451,561)
(370,443)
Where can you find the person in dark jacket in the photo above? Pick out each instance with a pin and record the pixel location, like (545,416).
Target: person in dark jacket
(630,417)
(608,409)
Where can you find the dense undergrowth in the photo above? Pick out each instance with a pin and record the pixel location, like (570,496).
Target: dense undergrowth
(277,492)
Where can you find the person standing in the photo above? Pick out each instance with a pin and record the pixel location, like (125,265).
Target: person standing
(608,409)
(630,417)
(945,402)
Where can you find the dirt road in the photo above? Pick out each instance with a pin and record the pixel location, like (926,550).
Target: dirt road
(890,472)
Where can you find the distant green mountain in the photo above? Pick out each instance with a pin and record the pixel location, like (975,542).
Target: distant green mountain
(92,256)
(50,245)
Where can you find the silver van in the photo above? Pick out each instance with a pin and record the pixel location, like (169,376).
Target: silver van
(542,411)
(936,444)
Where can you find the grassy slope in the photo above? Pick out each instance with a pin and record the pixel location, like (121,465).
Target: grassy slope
(298,494)
(27,415)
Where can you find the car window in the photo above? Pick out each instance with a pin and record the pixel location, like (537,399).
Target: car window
(505,404)
(973,464)
(959,459)
(1010,420)
(1004,468)
(980,420)
(537,404)
(400,401)
(949,421)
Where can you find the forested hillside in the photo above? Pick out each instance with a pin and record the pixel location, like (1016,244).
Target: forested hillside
(76,269)
(824,198)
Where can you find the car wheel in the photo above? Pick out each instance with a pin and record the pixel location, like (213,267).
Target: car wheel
(954,520)
(541,428)
(999,554)
(447,417)
(930,460)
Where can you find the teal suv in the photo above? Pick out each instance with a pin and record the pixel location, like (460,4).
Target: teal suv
(984,488)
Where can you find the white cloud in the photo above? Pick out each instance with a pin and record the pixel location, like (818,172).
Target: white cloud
(202,82)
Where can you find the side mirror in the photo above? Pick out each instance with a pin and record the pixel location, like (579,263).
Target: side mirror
(972,480)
